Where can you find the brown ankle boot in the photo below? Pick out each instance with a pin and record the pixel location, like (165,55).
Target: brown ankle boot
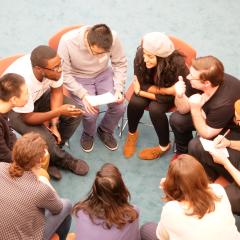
(129,147)
(152,153)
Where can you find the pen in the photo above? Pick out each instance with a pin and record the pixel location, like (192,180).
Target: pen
(224,135)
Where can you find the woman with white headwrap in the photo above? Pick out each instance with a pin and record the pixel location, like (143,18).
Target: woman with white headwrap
(157,66)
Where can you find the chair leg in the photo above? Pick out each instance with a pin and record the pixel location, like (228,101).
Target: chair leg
(122,126)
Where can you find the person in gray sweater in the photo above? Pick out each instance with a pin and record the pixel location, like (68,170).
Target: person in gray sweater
(86,53)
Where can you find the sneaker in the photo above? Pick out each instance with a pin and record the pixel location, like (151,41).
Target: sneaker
(77,166)
(54,172)
(152,153)
(108,140)
(87,142)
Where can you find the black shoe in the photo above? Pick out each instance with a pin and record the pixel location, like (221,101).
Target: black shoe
(54,172)
(77,166)
(87,142)
(108,140)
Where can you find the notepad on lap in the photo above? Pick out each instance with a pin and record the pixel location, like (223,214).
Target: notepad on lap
(101,99)
(208,146)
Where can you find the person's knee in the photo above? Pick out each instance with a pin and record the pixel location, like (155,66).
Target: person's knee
(136,103)
(91,118)
(119,109)
(148,231)
(67,206)
(156,112)
(194,147)
(179,122)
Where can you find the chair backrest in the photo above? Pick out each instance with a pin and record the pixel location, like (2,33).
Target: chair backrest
(55,39)
(6,62)
(185,48)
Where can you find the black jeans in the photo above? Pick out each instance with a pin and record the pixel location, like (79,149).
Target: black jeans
(67,126)
(215,170)
(182,127)
(157,112)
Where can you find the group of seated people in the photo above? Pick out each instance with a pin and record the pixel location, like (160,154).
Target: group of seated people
(32,103)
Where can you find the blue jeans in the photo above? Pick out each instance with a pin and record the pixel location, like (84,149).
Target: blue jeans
(59,223)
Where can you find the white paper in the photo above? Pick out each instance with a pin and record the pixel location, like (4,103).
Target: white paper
(101,99)
(208,146)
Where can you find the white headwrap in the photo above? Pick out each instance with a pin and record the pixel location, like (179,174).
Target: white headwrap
(158,44)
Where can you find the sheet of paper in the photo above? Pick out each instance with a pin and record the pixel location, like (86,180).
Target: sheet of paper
(208,146)
(101,99)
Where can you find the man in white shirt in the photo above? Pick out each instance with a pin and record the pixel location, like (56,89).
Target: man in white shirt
(47,111)
(86,53)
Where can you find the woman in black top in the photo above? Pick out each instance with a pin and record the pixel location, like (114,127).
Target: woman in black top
(157,66)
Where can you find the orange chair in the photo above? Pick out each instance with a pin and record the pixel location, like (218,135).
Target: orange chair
(6,62)
(183,47)
(55,39)
(222,181)
(53,42)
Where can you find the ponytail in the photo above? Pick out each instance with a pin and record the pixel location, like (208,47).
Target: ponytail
(15,170)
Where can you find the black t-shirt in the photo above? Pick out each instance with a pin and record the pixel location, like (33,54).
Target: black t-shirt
(219,109)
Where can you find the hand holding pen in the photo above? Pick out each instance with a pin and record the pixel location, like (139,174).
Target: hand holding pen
(220,141)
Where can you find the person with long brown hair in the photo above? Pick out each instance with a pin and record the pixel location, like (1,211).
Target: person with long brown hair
(195,209)
(106,212)
(30,208)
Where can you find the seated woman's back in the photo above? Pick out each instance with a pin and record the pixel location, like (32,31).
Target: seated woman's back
(219,224)
(23,198)
(195,209)
(89,231)
(106,213)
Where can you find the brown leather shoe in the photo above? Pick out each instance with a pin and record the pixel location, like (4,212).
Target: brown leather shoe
(77,166)
(152,153)
(54,172)
(129,147)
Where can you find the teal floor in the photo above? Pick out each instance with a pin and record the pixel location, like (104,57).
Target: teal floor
(211,26)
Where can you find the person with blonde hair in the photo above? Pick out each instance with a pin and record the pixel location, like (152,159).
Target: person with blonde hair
(106,212)
(30,207)
(194,208)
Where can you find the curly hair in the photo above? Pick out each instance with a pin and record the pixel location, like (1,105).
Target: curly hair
(27,152)
(108,199)
(167,70)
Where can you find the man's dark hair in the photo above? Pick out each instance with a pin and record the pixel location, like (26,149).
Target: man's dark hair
(10,85)
(41,54)
(101,36)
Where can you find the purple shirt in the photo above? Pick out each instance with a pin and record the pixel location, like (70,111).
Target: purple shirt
(86,230)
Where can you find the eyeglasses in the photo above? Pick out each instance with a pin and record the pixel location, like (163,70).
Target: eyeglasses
(55,69)
(190,77)
(93,52)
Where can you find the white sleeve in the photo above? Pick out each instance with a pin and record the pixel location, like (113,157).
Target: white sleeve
(161,231)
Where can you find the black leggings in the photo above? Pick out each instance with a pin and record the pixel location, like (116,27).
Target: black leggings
(157,112)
